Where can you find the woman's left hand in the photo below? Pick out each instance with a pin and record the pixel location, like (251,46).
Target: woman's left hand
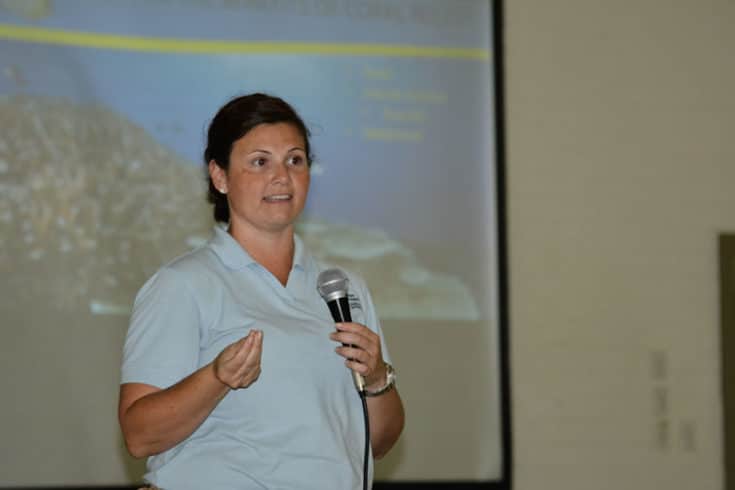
(361,349)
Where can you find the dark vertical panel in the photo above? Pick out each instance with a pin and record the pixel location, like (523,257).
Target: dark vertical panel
(727,329)
(498,51)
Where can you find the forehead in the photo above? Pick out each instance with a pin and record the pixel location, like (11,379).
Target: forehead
(276,136)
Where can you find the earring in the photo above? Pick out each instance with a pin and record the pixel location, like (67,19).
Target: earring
(222,191)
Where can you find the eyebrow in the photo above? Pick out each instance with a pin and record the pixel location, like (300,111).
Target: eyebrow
(258,150)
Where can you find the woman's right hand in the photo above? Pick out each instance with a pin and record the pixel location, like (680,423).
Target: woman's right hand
(238,365)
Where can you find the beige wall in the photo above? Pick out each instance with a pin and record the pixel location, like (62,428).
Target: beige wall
(621,173)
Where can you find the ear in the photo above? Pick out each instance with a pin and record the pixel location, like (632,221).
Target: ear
(219,177)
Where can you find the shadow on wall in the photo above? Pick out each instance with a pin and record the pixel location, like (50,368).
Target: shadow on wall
(134,468)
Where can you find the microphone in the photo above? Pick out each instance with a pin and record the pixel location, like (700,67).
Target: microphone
(332,286)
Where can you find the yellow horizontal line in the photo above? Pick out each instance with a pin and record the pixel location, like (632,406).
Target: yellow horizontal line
(200,46)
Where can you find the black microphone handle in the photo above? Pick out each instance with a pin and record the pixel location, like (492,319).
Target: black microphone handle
(340,309)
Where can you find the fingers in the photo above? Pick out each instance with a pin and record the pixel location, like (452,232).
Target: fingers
(229,353)
(358,335)
(354,328)
(354,354)
(250,369)
(246,346)
(238,365)
(360,348)
(358,367)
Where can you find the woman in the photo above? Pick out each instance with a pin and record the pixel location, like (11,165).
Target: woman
(233,372)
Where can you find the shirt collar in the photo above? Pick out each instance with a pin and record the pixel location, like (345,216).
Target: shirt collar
(235,257)
(300,255)
(228,250)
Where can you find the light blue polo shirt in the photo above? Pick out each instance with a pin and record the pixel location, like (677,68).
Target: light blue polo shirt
(300,425)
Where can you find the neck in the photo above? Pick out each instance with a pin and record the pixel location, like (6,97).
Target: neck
(272,250)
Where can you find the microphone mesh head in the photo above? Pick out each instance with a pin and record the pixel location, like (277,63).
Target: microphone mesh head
(332,284)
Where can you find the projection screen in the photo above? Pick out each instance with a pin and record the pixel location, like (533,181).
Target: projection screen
(104,106)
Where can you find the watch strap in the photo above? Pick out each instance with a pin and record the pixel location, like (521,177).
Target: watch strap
(390,382)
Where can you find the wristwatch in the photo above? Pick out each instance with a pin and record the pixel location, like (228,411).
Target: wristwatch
(390,382)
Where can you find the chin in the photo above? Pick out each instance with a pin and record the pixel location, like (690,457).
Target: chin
(279,225)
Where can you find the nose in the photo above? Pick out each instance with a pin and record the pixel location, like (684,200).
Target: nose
(279,172)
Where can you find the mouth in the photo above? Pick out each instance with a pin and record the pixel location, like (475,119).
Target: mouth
(276,198)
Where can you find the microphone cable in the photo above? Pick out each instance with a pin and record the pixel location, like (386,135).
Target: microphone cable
(332,287)
(363,398)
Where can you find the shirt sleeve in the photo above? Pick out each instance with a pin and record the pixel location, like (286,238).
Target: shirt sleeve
(162,343)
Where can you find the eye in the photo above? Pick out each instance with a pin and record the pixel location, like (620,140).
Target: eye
(258,162)
(296,160)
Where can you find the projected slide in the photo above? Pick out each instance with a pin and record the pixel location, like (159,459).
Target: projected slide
(104,106)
